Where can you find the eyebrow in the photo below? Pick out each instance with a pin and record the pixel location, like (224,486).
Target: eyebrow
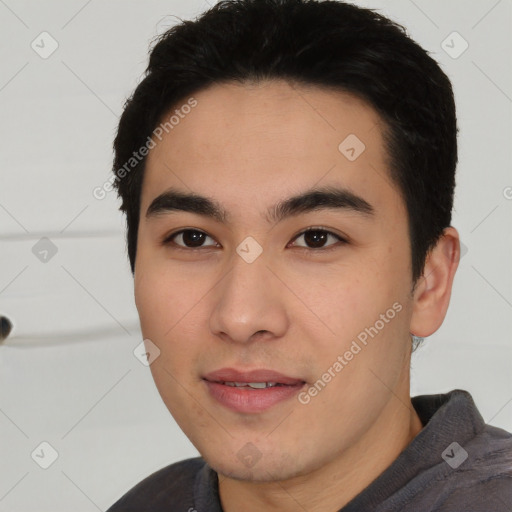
(335,198)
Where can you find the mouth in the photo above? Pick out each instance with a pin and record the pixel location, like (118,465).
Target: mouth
(252,385)
(251,391)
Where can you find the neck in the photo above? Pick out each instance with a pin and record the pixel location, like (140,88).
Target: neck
(332,486)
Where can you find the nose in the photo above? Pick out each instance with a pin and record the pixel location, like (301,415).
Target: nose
(249,303)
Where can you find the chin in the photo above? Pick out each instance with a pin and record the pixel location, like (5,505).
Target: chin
(267,468)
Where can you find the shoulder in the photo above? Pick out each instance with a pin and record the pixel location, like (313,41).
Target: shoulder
(494,495)
(172,485)
(483,481)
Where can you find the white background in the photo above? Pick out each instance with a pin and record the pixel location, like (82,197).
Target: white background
(68,375)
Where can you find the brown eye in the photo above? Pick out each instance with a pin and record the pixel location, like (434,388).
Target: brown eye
(191,239)
(317,239)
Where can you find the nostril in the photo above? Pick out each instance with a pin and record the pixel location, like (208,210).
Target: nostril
(5,327)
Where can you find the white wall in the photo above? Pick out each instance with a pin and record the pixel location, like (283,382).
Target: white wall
(67,372)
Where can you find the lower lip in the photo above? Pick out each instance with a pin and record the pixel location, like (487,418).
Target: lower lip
(249,400)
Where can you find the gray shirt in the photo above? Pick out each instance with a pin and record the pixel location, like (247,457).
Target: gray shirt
(456,463)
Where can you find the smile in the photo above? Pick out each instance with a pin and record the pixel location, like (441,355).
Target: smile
(252,385)
(252,391)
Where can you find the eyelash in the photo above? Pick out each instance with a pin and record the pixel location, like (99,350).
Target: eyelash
(168,240)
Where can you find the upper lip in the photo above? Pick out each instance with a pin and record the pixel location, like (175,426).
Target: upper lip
(260,375)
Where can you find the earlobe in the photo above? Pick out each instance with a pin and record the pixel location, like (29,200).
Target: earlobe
(431,295)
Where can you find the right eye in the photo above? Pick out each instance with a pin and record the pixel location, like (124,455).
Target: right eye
(189,239)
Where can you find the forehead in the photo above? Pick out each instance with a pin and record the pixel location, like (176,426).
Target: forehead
(251,143)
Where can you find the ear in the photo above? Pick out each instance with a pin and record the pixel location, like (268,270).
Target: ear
(431,295)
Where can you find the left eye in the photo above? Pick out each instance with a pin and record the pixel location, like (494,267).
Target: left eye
(317,239)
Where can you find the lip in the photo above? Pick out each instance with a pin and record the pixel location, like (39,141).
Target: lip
(248,400)
(263,375)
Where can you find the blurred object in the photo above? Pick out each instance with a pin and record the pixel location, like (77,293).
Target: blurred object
(5,327)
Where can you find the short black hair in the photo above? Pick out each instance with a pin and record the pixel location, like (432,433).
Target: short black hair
(329,44)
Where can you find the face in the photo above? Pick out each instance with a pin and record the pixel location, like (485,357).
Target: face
(290,265)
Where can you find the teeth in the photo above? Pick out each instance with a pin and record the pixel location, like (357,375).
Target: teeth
(258,385)
(253,385)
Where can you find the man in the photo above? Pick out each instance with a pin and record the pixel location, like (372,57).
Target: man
(287,169)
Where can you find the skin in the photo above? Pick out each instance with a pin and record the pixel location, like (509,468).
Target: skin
(295,309)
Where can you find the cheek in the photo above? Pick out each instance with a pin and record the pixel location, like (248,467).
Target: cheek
(173,315)
(360,311)
(164,296)
(150,301)
(345,299)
